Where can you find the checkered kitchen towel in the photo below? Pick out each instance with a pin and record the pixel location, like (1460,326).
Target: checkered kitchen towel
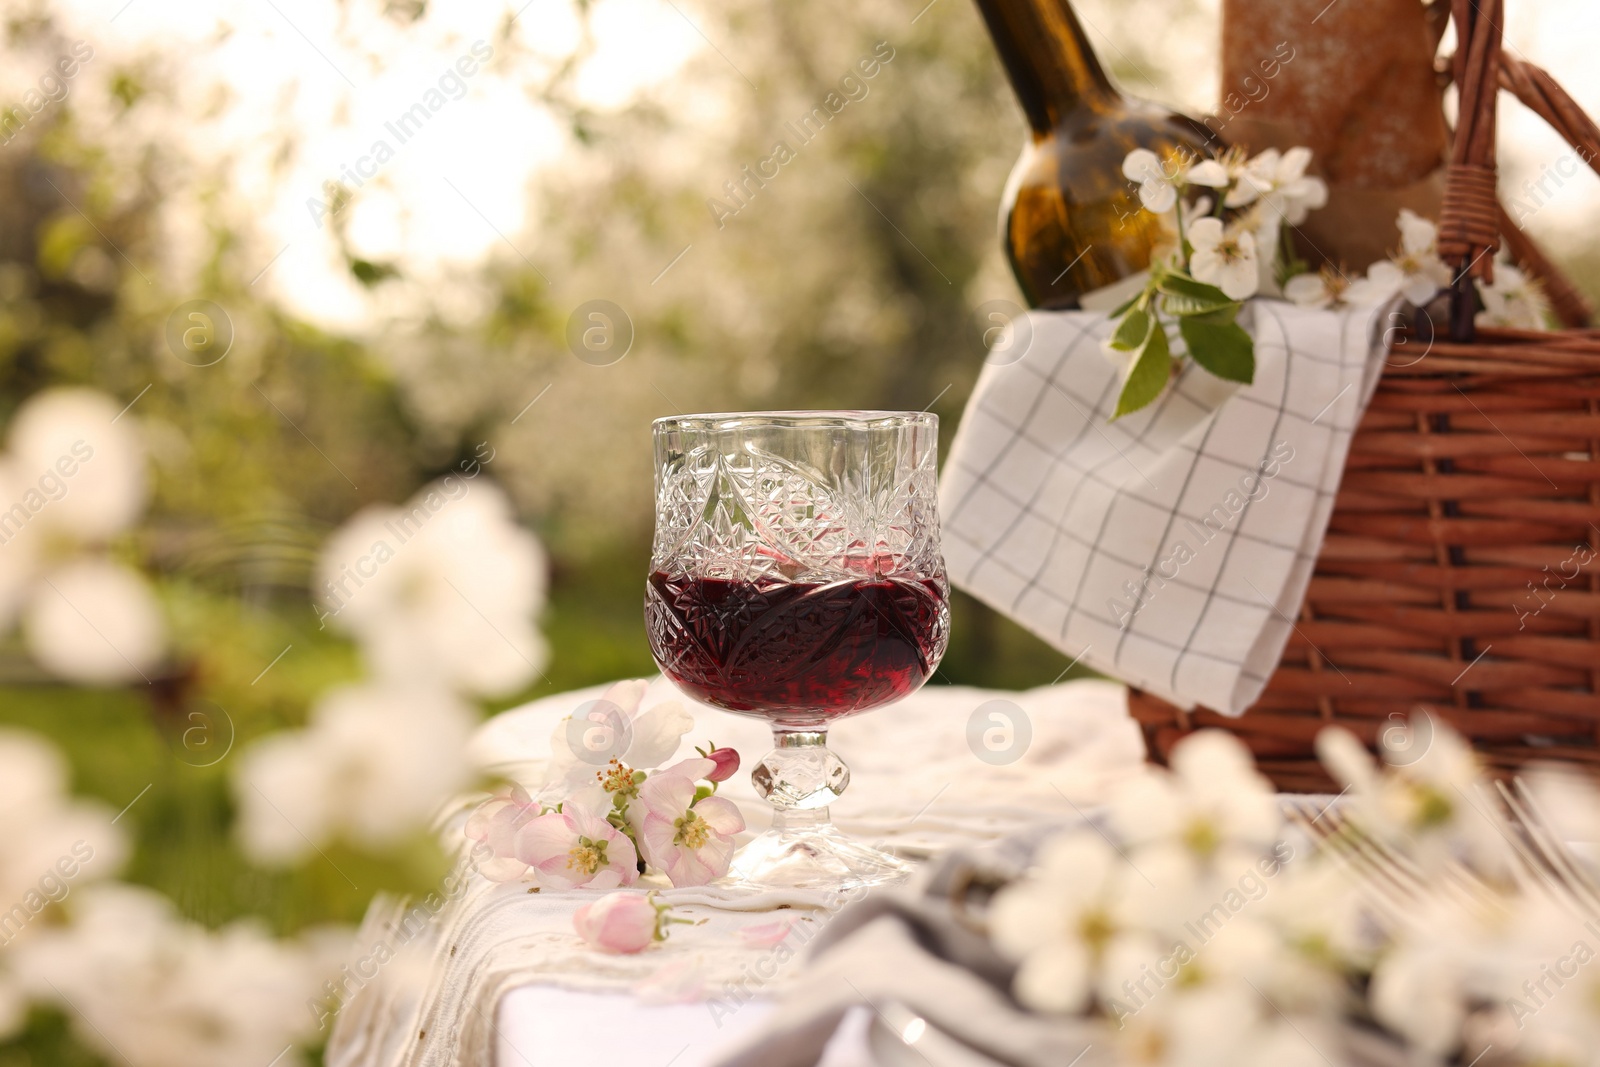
(1172,547)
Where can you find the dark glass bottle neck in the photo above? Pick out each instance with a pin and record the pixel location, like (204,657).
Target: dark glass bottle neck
(1047,58)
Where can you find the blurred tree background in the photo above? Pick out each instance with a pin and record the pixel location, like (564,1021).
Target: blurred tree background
(849,279)
(846,281)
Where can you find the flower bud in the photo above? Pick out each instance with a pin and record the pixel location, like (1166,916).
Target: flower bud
(727,761)
(619,923)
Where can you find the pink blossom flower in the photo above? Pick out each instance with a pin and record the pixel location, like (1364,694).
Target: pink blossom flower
(690,840)
(620,923)
(726,760)
(496,823)
(576,848)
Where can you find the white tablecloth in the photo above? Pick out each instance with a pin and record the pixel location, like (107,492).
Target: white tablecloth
(948,766)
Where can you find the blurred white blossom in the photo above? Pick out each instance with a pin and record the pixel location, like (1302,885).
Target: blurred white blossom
(1416,991)
(1316,909)
(73,477)
(1163,178)
(1279,181)
(71,442)
(50,842)
(1212,811)
(1431,801)
(1184,919)
(1225,256)
(1513,299)
(1226,172)
(51,845)
(95,622)
(1325,288)
(152,990)
(1062,921)
(443,590)
(374,765)
(1415,271)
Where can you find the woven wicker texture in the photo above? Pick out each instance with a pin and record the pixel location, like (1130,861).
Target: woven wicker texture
(1461,571)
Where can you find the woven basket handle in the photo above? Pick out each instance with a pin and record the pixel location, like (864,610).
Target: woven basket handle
(1471,220)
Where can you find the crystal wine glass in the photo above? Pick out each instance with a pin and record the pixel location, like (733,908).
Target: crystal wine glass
(796,577)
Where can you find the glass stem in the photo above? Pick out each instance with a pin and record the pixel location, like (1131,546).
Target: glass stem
(800,777)
(806,745)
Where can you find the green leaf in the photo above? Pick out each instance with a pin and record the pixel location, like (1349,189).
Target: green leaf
(1220,346)
(1220,317)
(1149,374)
(1132,331)
(1122,308)
(1185,296)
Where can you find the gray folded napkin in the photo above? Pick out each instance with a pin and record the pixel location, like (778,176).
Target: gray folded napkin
(907,954)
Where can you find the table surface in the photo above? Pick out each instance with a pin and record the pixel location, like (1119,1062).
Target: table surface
(546,1025)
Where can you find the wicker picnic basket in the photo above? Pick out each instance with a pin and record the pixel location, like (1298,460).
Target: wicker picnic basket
(1461,569)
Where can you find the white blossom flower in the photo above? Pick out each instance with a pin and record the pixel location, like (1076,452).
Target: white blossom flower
(1415,272)
(1224,173)
(443,590)
(1225,258)
(150,989)
(1319,916)
(374,765)
(1064,918)
(617,726)
(1154,973)
(1281,183)
(1513,299)
(1325,288)
(1431,803)
(1161,177)
(95,622)
(1212,809)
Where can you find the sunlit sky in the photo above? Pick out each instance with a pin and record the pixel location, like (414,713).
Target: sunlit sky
(335,74)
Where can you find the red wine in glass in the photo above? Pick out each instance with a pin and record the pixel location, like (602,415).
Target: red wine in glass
(796,577)
(798,652)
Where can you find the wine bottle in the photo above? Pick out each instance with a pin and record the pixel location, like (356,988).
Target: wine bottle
(1070,222)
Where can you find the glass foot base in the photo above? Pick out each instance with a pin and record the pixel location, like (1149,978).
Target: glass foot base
(818,857)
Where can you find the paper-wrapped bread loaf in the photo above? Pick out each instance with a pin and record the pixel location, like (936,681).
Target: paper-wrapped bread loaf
(1354,81)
